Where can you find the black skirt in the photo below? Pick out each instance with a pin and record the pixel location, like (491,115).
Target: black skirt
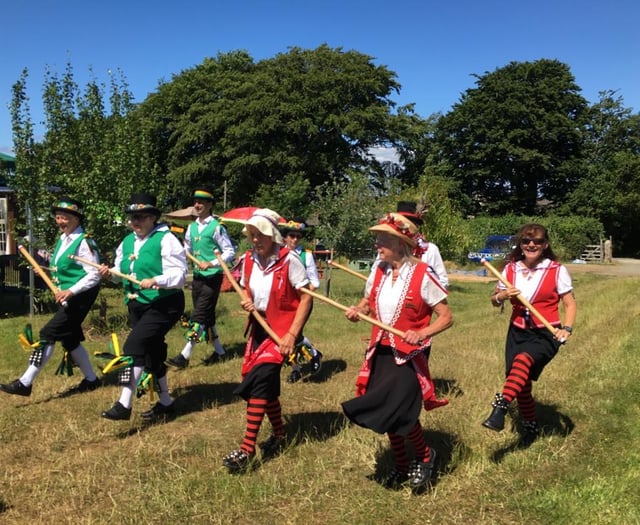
(262,382)
(393,399)
(539,343)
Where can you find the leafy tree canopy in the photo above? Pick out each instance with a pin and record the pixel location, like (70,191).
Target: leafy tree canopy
(515,138)
(304,114)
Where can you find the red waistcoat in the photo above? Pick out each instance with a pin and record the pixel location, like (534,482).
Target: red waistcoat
(545,298)
(414,313)
(283,303)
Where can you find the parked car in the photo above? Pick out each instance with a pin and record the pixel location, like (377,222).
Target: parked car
(496,247)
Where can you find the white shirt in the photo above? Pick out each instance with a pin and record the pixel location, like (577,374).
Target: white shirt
(260,283)
(221,238)
(527,281)
(391,293)
(174,262)
(92,277)
(434,260)
(310,264)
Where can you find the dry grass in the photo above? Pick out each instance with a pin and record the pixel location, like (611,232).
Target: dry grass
(62,463)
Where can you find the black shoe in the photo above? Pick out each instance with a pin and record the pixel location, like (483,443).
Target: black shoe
(178,361)
(212,359)
(530,432)
(16,388)
(495,421)
(117,412)
(159,410)
(316,363)
(420,472)
(272,447)
(294,376)
(85,386)
(395,479)
(237,461)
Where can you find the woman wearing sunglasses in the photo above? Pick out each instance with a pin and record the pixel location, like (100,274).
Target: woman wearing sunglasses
(545,283)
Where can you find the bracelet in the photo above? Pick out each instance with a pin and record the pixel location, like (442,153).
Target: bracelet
(497,301)
(292,334)
(567,328)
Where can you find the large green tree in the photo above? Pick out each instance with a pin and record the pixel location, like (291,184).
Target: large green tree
(307,115)
(610,188)
(92,150)
(515,138)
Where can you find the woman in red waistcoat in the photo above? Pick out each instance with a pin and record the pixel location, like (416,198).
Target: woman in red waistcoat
(272,277)
(545,283)
(394,381)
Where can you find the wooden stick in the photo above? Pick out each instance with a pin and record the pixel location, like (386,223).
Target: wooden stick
(192,258)
(40,271)
(348,270)
(243,297)
(362,316)
(520,297)
(96,265)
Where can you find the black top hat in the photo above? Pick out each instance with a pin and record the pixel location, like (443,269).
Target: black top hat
(143,203)
(68,205)
(408,209)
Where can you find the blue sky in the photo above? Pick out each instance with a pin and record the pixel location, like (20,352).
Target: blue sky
(434,47)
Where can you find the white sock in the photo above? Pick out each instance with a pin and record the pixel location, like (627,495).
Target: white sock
(126,396)
(165,398)
(81,358)
(32,371)
(217,345)
(307,343)
(188,348)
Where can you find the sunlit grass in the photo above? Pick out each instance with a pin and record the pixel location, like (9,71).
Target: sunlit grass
(62,463)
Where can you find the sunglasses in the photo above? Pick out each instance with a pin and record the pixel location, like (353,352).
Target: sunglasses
(294,236)
(537,242)
(139,216)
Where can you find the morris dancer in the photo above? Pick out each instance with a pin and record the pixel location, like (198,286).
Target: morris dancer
(536,274)
(272,277)
(79,285)
(293,232)
(394,380)
(155,257)
(204,236)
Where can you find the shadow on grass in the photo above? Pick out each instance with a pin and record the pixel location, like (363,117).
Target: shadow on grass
(4,506)
(551,421)
(450,451)
(330,368)
(314,426)
(448,388)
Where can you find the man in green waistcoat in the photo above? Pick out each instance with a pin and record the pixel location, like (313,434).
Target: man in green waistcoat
(154,260)
(78,285)
(203,238)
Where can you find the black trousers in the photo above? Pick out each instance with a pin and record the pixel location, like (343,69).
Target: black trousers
(204,293)
(66,324)
(149,326)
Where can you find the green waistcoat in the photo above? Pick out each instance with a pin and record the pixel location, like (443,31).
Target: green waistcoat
(67,272)
(146,265)
(203,246)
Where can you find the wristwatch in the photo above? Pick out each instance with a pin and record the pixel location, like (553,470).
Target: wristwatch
(567,328)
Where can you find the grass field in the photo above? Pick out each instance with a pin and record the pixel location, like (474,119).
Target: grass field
(62,463)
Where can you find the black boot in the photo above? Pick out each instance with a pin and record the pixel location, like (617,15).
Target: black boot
(496,420)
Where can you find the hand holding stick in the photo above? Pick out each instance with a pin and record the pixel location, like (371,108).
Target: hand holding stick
(195,261)
(243,296)
(96,265)
(348,270)
(523,300)
(40,271)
